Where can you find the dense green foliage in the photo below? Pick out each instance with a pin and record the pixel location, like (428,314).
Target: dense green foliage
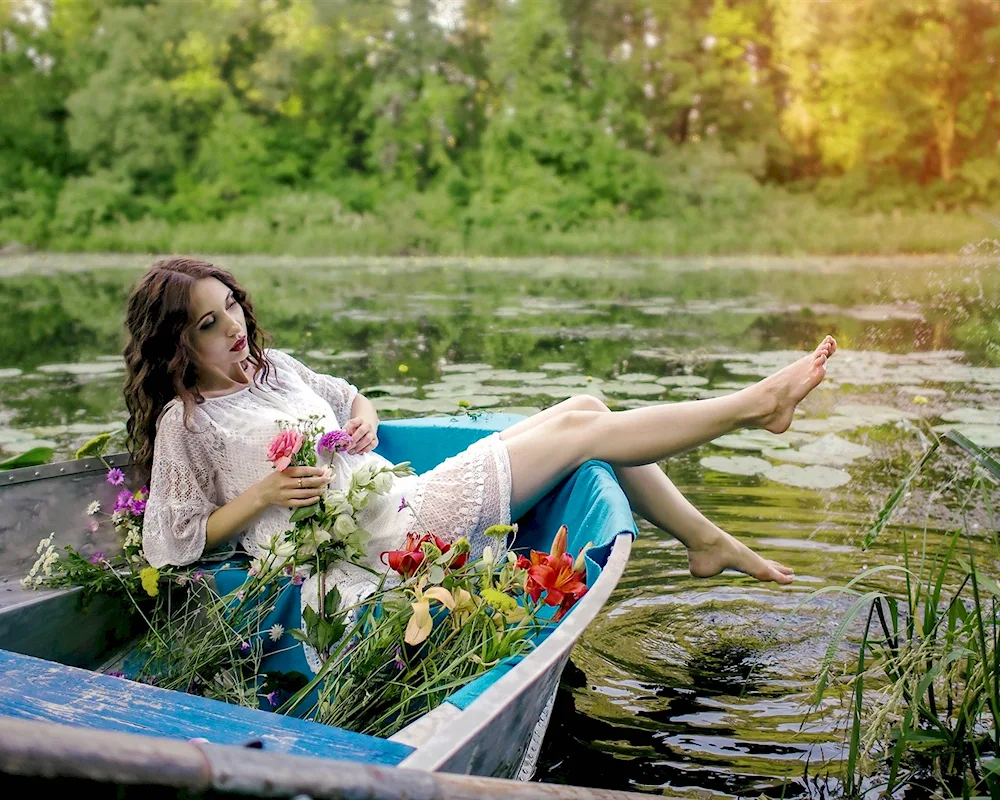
(496,125)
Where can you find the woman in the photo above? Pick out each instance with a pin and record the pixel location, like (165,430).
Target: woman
(205,399)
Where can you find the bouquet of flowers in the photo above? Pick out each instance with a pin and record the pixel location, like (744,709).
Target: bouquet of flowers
(449,620)
(327,531)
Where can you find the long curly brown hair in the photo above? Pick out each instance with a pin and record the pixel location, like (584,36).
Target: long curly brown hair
(159,357)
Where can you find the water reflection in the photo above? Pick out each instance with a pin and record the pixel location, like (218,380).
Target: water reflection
(700,687)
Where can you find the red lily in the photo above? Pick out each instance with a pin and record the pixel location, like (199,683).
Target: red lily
(553,574)
(408,560)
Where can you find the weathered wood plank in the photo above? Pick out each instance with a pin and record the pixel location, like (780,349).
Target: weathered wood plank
(32,749)
(43,691)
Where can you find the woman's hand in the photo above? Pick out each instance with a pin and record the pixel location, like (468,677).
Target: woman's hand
(294,487)
(362,433)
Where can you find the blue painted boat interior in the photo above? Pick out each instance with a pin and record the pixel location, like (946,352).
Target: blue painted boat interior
(57,627)
(39,690)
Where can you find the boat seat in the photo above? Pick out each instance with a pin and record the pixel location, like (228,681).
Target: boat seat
(34,689)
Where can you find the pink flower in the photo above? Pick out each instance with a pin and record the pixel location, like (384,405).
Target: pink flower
(334,441)
(116,477)
(138,507)
(197,575)
(97,558)
(298,578)
(285,445)
(93,525)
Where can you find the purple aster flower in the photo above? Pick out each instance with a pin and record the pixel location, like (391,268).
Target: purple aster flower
(123,500)
(402,504)
(97,558)
(398,662)
(93,525)
(334,441)
(138,507)
(272,698)
(245,647)
(197,575)
(116,477)
(298,578)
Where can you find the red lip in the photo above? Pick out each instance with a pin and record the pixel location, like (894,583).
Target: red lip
(240,344)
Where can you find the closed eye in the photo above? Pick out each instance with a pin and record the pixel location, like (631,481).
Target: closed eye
(209,323)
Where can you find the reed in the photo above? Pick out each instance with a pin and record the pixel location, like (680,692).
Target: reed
(925,685)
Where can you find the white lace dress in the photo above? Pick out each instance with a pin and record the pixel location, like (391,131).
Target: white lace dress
(221,453)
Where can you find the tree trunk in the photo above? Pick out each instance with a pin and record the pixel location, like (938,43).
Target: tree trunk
(946,141)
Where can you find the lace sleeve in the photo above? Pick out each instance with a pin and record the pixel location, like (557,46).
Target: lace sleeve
(181,493)
(336,391)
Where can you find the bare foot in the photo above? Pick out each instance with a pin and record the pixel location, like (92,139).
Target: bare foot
(786,388)
(725,552)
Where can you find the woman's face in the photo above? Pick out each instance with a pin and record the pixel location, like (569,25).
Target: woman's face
(218,327)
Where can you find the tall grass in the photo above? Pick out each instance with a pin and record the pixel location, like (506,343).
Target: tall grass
(312,224)
(925,686)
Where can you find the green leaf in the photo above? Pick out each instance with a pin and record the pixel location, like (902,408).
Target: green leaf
(436,574)
(298,634)
(310,617)
(95,447)
(33,458)
(304,512)
(331,603)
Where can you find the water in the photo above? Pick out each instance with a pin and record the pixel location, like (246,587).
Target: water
(685,686)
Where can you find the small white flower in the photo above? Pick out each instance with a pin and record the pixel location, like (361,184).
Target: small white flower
(281,547)
(277,630)
(93,508)
(44,543)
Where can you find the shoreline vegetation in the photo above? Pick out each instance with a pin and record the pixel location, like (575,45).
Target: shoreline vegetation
(493,128)
(307,226)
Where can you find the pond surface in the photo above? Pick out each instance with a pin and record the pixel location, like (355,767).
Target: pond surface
(689,687)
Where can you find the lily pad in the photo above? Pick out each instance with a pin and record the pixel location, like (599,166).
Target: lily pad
(736,465)
(812,477)
(470,367)
(973,416)
(92,368)
(558,366)
(873,415)
(633,389)
(833,424)
(984,435)
(760,440)
(682,380)
(829,450)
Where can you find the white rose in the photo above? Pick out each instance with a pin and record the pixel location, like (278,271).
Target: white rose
(345,524)
(382,483)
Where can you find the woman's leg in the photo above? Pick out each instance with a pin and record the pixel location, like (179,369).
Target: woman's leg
(555,443)
(655,498)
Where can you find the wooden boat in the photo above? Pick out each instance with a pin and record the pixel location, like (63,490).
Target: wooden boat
(52,648)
